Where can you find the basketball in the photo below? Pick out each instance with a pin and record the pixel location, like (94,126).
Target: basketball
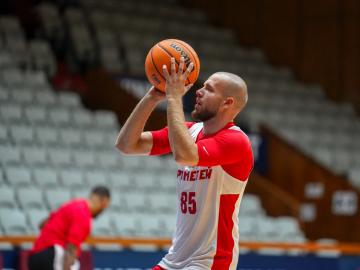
(161,53)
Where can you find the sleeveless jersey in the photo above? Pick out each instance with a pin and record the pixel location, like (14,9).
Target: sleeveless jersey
(209,196)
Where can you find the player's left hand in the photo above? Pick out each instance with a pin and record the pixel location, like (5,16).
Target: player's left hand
(175,81)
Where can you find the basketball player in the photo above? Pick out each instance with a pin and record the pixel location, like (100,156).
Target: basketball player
(58,245)
(214,158)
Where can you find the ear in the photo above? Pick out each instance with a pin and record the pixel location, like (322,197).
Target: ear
(229,101)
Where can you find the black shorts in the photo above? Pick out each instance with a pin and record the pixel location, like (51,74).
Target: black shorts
(43,260)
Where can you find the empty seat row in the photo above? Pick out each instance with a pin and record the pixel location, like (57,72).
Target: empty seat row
(268,229)
(33,54)
(15,78)
(29,137)
(43,177)
(55,157)
(121,201)
(144,225)
(56,116)
(25,96)
(251,228)
(16,222)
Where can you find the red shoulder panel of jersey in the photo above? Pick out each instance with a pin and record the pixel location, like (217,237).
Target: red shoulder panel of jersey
(229,148)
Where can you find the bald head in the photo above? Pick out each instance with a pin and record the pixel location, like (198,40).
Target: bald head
(233,86)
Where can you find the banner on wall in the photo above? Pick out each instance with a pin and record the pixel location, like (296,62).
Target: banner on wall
(344,203)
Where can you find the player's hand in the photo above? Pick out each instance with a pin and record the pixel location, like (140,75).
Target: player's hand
(156,94)
(175,81)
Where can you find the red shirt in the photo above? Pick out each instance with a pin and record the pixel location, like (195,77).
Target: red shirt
(71,223)
(229,148)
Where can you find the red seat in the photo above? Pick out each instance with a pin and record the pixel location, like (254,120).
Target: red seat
(1,261)
(23,258)
(86,261)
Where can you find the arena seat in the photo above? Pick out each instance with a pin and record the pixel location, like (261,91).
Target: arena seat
(354,176)
(35,217)
(13,222)
(69,100)
(34,156)
(35,114)
(162,202)
(2,178)
(30,198)
(59,157)
(167,181)
(45,177)
(102,226)
(23,260)
(11,113)
(169,220)
(251,205)
(59,116)
(71,178)
(125,224)
(51,22)
(70,137)
(151,225)
(45,98)
(121,180)
(55,197)
(7,198)
(137,201)
(248,228)
(82,118)
(46,135)
(117,203)
(94,138)
(42,58)
(80,193)
(21,96)
(84,158)
(288,228)
(21,134)
(109,160)
(146,181)
(10,154)
(96,177)
(18,175)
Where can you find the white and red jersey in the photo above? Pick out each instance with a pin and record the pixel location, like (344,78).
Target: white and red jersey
(209,195)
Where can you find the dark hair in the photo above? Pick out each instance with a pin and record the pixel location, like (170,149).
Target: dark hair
(101,191)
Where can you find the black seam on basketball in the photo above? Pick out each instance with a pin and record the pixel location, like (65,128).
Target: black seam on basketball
(162,47)
(195,58)
(152,60)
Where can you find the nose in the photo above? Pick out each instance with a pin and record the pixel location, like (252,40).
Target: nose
(199,92)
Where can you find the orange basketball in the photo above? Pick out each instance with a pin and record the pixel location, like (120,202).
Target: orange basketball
(161,54)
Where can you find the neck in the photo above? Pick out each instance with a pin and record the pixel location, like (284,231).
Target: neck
(91,206)
(215,124)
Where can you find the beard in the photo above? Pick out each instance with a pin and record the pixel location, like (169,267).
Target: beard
(203,115)
(97,214)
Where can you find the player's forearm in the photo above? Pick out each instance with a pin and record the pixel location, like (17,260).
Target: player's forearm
(128,139)
(182,145)
(69,256)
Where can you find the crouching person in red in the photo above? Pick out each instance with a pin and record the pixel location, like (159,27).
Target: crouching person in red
(58,245)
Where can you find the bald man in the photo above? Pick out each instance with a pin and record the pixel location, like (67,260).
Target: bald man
(214,160)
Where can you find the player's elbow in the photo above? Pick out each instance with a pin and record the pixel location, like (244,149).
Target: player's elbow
(186,160)
(123,147)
